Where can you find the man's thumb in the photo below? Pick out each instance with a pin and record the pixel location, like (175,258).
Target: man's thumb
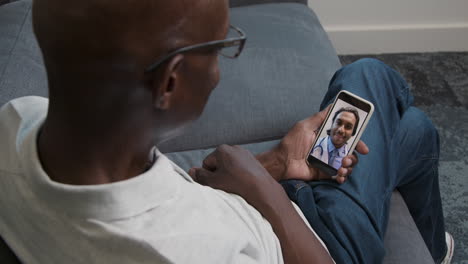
(201,175)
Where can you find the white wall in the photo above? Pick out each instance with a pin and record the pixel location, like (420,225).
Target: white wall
(387,26)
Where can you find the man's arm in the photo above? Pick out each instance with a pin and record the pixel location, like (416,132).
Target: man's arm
(298,243)
(273,162)
(236,170)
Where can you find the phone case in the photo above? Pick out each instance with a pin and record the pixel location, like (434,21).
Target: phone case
(315,162)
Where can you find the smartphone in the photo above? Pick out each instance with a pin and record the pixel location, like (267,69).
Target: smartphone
(340,132)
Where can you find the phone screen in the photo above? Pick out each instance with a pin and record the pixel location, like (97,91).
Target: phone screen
(340,132)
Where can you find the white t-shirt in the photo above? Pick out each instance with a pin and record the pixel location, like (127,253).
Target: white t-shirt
(160,216)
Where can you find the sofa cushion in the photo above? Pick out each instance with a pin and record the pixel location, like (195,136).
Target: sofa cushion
(403,242)
(21,68)
(280,78)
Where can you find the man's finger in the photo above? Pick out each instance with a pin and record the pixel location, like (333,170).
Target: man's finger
(202,176)
(354,159)
(316,120)
(342,172)
(191,172)
(362,148)
(349,161)
(341,180)
(323,114)
(341,175)
(210,161)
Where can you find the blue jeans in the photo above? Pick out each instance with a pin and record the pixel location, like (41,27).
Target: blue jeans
(404,149)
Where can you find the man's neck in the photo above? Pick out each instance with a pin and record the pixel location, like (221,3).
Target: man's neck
(75,158)
(339,147)
(335,146)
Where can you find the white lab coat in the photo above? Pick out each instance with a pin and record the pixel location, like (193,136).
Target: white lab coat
(320,150)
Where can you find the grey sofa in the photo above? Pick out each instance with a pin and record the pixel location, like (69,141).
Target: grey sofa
(278,80)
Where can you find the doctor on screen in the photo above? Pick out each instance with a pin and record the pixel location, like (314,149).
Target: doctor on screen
(334,147)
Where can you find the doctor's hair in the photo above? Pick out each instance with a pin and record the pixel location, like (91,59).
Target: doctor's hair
(346,109)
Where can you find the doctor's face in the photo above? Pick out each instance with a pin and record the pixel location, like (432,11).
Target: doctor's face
(342,128)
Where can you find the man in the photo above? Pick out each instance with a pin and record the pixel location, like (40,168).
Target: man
(81,181)
(332,148)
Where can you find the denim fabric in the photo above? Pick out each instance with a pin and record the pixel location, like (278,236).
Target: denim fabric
(404,148)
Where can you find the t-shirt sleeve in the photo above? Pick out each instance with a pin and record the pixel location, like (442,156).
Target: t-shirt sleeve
(212,248)
(263,231)
(266,242)
(260,244)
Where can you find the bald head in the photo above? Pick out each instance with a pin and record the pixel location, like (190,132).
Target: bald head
(98,38)
(96,52)
(96,32)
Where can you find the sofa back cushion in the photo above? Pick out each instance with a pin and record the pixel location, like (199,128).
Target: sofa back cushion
(22,71)
(235,3)
(280,78)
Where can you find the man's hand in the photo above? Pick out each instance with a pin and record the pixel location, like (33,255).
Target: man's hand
(235,170)
(288,159)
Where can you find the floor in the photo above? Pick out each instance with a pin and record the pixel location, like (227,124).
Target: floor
(439,82)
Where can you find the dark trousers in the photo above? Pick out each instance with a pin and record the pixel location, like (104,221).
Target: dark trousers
(404,149)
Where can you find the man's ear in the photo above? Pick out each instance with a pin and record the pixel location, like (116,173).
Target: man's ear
(163,89)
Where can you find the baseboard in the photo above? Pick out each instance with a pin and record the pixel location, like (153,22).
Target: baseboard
(399,39)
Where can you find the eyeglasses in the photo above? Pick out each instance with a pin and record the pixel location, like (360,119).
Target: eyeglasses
(231,47)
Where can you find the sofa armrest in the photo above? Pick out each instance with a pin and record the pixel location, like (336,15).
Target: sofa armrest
(403,242)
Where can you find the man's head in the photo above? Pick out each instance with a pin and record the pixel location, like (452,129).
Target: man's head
(344,125)
(97,51)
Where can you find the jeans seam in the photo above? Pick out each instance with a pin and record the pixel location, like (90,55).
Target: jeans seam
(402,100)
(301,186)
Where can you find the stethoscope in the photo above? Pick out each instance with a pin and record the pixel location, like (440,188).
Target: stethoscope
(319,146)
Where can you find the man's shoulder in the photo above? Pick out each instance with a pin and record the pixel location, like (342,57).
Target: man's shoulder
(17,118)
(23,108)
(22,111)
